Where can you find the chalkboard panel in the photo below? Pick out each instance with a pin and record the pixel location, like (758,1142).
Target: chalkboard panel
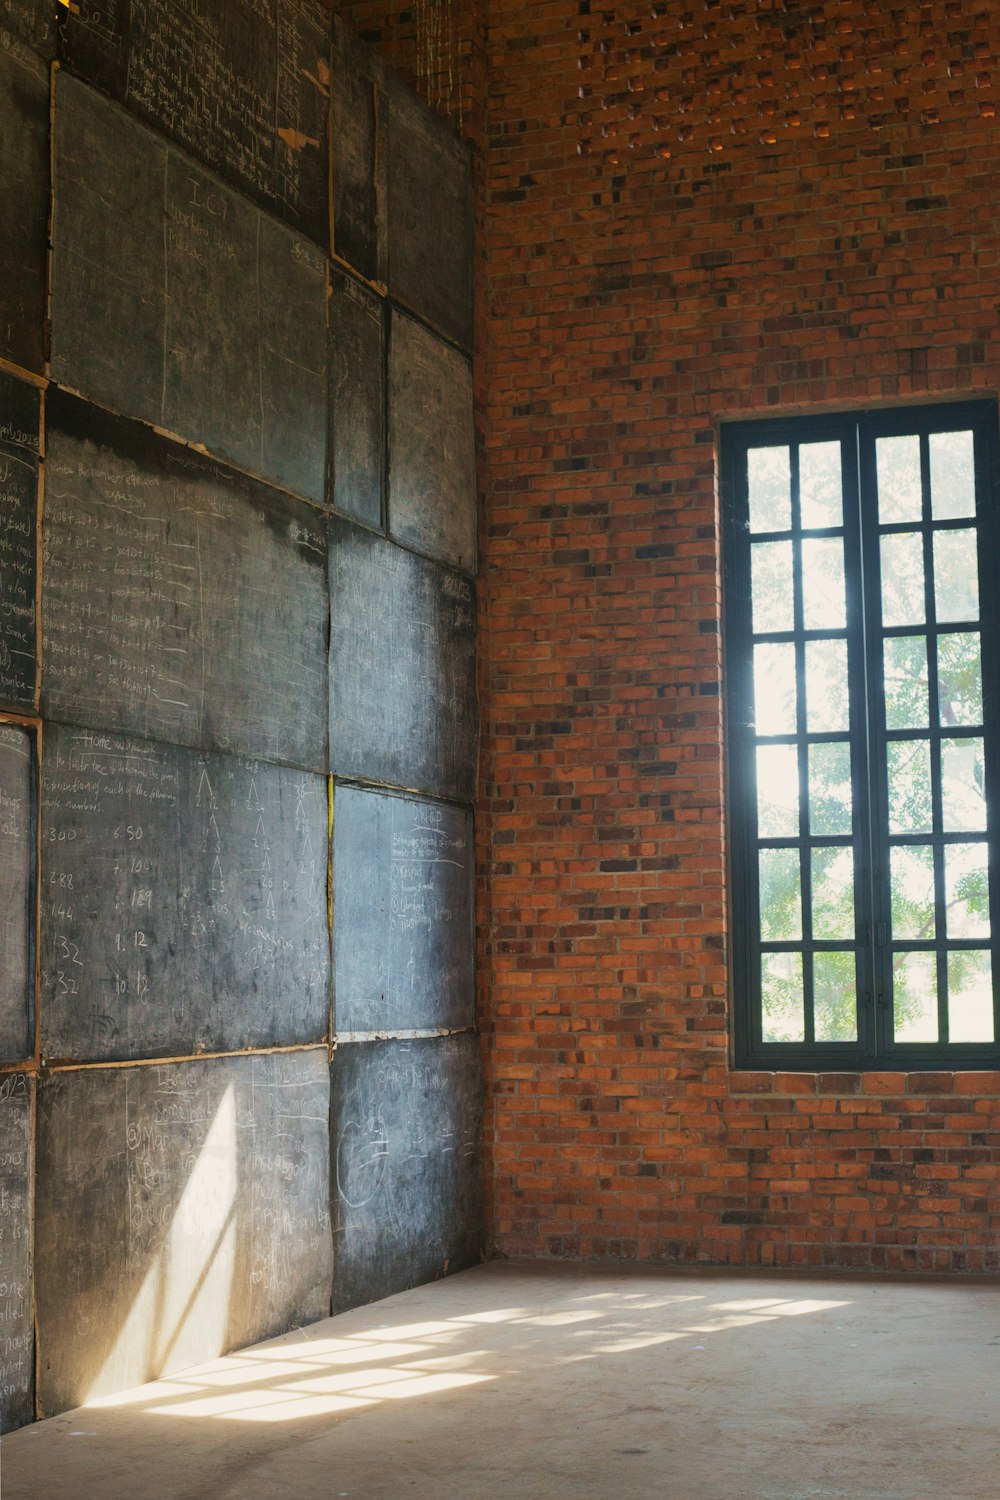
(407,1126)
(17,871)
(357,400)
(432,457)
(182,1210)
(19,417)
(17,1335)
(183,601)
(429,174)
(358,234)
(402,900)
(183,901)
(403,706)
(24,193)
(177,301)
(244,84)
(32,22)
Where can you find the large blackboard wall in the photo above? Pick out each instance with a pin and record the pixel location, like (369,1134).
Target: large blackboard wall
(239,1076)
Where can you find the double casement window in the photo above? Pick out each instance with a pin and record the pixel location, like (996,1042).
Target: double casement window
(862,575)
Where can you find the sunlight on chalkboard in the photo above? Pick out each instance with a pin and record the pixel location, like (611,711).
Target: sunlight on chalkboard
(182,1308)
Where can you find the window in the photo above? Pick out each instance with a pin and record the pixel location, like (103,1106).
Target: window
(862,582)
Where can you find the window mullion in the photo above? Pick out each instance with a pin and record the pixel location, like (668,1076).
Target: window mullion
(805,871)
(872,753)
(937,819)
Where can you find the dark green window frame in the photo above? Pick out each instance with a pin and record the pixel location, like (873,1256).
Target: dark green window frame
(923,966)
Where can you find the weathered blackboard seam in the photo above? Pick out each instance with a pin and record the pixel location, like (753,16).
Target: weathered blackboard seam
(66,1065)
(223,460)
(469,355)
(416,1034)
(399,789)
(373,285)
(394,789)
(30,376)
(39,519)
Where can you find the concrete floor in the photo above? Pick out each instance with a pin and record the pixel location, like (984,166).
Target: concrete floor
(532,1383)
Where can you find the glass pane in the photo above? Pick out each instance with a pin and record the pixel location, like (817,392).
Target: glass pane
(830,798)
(967,890)
(774,688)
(953,477)
(909,765)
(914,997)
(771,573)
(769,478)
(780,896)
(903,579)
(835,1005)
(823,605)
(905,679)
(827,701)
(782,1000)
(819,485)
(833,894)
(777,791)
(963,801)
(898,463)
(956,576)
(960,678)
(912,883)
(970,997)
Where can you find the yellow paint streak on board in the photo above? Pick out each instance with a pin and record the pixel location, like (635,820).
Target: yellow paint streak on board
(71,6)
(321,78)
(295,139)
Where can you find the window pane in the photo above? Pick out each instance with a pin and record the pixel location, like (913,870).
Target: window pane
(771,564)
(912,883)
(903,579)
(970,997)
(898,463)
(780,896)
(827,698)
(819,485)
(823,605)
(909,766)
(904,665)
(953,479)
(963,803)
(835,998)
(914,997)
(769,477)
(782,997)
(833,894)
(774,688)
(956,577)
(967,890)
(960,678)
(777,791)
(830,796)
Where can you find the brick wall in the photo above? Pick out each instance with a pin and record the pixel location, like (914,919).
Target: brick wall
(693,212)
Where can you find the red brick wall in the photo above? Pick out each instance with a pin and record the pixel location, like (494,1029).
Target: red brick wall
(694,211)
